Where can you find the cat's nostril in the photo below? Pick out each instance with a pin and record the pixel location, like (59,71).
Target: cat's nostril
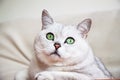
(57,45)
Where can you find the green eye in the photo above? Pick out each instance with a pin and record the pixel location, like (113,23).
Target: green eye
(50,36)
(69,40)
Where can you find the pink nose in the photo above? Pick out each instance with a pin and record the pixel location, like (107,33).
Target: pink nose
(57,45)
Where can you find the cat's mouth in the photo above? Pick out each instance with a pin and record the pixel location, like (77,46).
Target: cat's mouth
(55,53)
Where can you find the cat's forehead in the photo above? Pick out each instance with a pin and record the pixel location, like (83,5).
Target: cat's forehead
(62,29)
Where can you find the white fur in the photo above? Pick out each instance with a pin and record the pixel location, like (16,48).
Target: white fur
(76,61)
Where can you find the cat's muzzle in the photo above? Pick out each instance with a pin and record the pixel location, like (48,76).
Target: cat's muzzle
(55,53)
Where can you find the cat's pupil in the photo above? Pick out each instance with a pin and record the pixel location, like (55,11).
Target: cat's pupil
(50,36)
(70,40)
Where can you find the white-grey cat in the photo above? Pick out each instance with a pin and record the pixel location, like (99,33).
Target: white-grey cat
(62,53)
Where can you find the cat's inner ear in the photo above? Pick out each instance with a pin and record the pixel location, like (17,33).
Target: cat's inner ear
(84,27)
(46,19)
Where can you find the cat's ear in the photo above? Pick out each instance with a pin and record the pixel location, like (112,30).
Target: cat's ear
(84,27)
(46,19)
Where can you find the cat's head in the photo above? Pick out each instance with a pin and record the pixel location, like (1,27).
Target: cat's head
(59,44)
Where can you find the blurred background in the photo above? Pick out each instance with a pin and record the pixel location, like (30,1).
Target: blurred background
(20,21)
(12,9)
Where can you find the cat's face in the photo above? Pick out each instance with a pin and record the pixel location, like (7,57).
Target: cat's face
(60,45)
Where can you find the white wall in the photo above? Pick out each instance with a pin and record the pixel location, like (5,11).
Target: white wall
(11,9)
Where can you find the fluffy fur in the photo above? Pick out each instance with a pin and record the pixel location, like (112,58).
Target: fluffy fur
(68,62)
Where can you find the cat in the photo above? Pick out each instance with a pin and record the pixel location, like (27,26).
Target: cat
(62,53)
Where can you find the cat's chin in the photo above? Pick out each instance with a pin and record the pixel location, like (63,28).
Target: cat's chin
(50,58)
